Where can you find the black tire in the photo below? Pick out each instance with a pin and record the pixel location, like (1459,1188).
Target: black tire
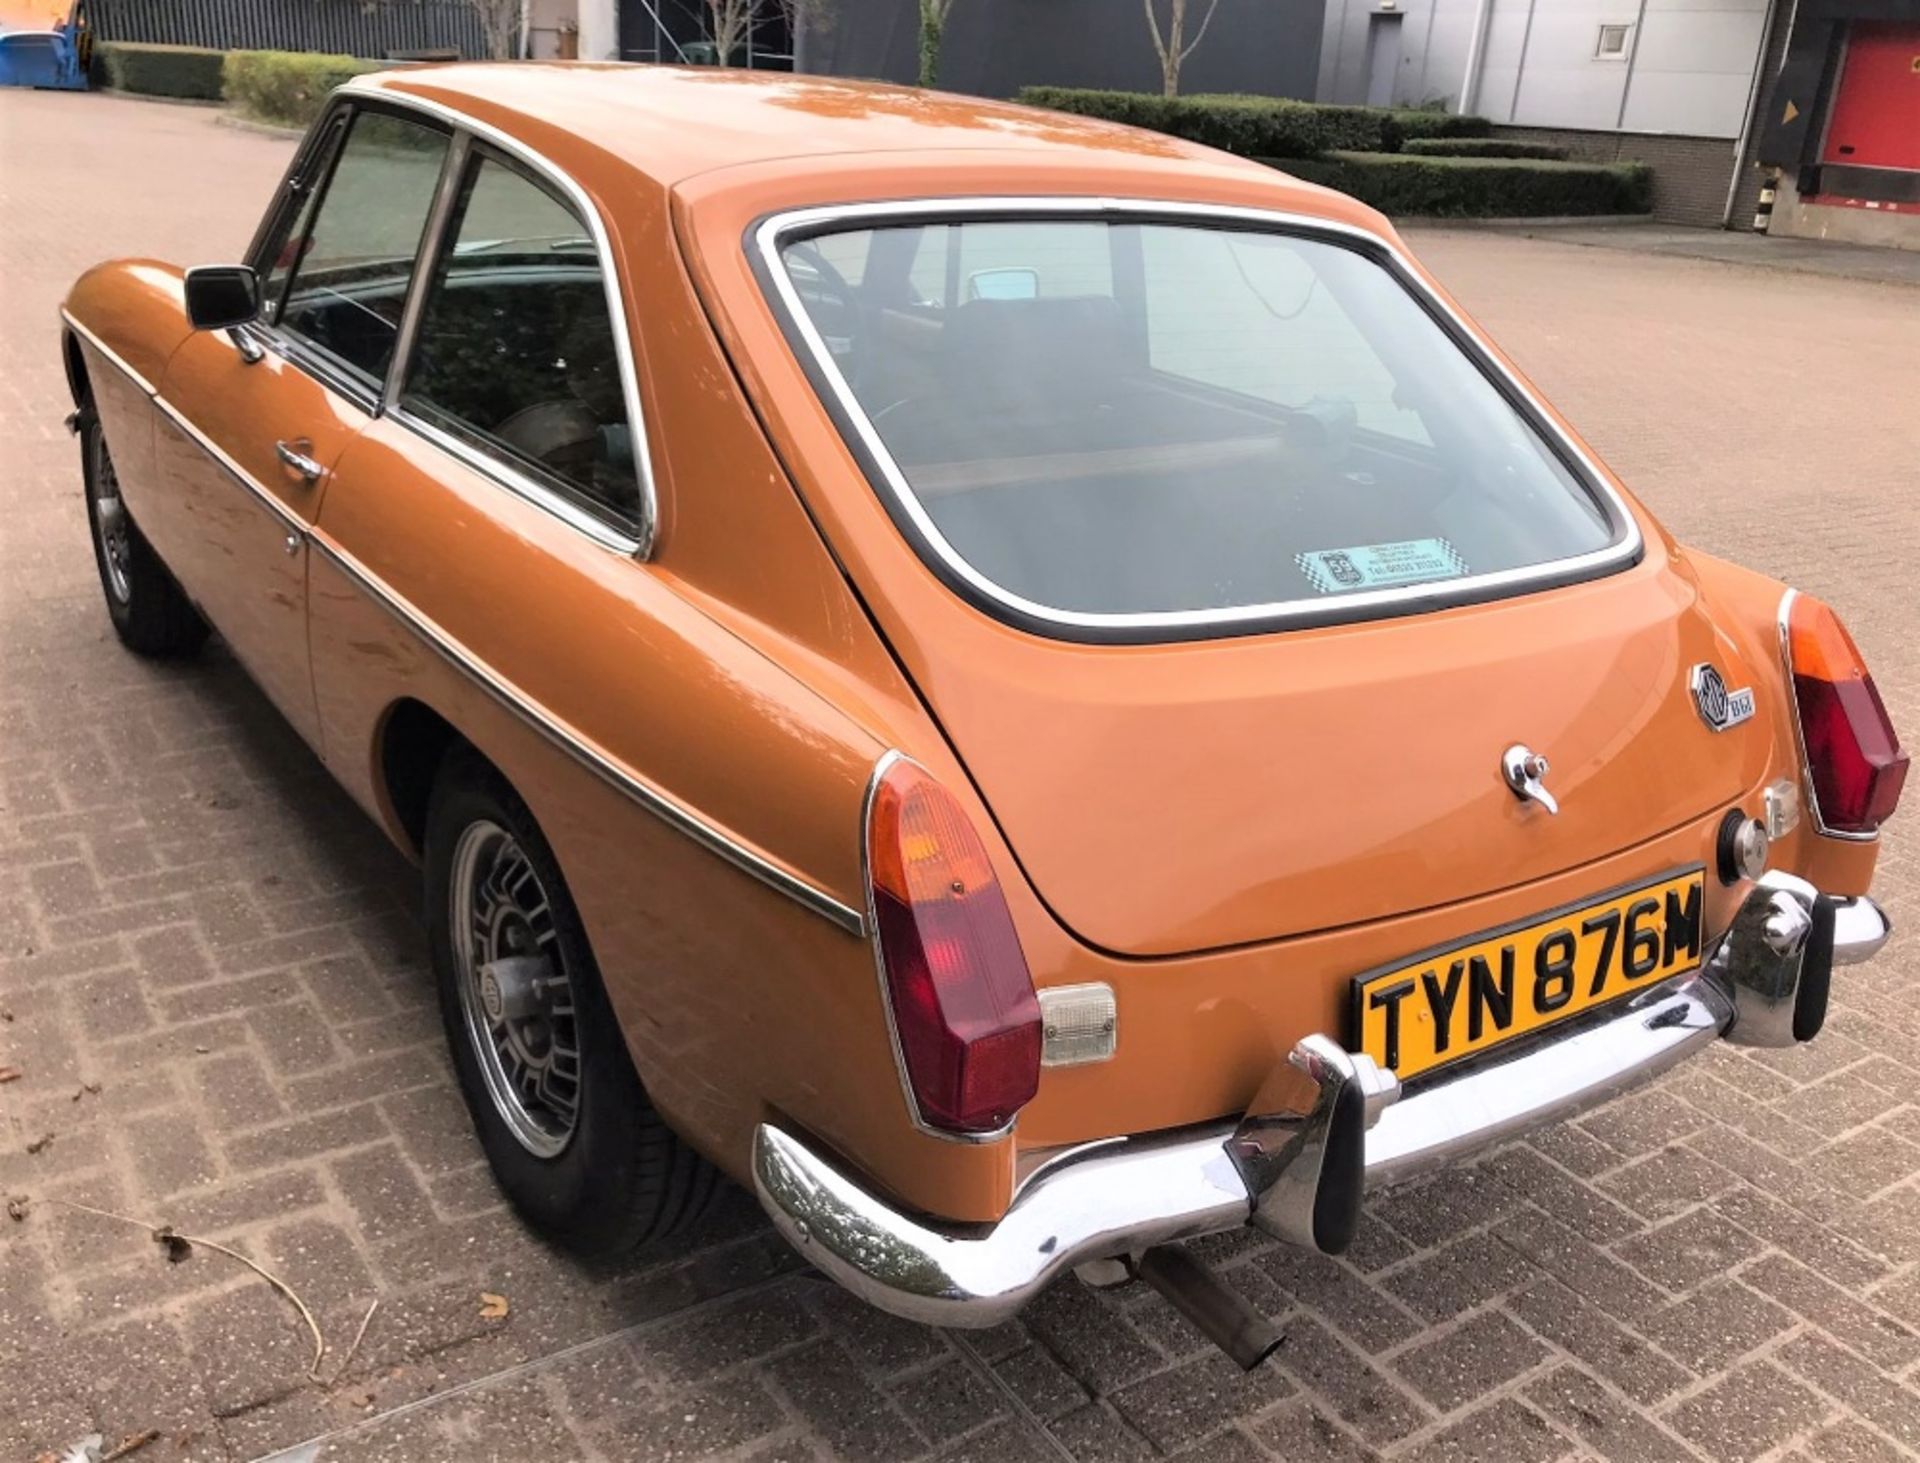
(618,1177)
(150,613)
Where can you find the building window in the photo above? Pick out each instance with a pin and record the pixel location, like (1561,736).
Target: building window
(1612,43)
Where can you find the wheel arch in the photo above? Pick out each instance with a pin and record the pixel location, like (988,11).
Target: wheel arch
(79,384)
(412,742)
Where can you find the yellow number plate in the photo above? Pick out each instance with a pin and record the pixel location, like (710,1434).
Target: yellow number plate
(1456,1002)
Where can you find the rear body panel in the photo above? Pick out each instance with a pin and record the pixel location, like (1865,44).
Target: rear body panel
(1288,810)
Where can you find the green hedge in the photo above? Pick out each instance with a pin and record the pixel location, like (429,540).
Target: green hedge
(1483,147)
(1410,123)
(163,71)
(286,87)
(1251,126)
(1406,184)
(1257,126)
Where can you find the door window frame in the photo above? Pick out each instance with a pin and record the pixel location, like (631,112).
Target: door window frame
(632,535)
(315,169)
(567,500)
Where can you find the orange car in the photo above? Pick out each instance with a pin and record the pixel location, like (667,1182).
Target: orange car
(1027,689)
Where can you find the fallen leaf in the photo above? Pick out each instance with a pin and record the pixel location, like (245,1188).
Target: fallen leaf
(492,1307)
(178,1247)
(11,1074)
(17,1207)
(45,1140)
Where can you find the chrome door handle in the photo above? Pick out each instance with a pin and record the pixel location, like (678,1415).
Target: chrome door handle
(297,461)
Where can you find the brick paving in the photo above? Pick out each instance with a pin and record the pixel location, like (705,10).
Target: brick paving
(211,976)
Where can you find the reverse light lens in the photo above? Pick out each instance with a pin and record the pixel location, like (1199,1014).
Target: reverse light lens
(963,1002)
(1854,756)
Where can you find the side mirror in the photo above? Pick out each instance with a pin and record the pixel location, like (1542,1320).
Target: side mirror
(220,296)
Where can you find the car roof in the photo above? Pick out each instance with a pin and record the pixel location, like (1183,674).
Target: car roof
(672,123)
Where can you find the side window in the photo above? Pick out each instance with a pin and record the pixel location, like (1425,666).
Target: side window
(347,272)
(516,353)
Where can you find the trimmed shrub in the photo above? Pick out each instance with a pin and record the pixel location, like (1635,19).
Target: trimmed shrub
(1483,147)
(287,87)
(163,71)
(1256,126)
(1411,122)
(1250,126)
(1409,184)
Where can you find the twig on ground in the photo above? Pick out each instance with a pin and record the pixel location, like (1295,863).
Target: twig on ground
(132,1443)
(166,1234)
(358,1336)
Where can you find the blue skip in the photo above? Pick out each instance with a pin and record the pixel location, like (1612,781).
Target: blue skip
(55,59)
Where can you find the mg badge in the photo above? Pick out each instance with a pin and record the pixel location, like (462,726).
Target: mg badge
(1719,708)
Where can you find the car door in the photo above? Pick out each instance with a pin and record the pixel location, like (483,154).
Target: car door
(253,421)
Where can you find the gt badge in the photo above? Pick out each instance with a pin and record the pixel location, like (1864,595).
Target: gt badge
(1719,708)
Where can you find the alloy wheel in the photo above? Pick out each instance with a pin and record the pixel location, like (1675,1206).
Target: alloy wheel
(515,989)
(110,525)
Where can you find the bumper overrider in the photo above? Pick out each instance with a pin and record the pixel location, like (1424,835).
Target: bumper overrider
(1327,1126)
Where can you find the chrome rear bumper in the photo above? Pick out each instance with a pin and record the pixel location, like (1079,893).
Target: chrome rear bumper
(1329,1126)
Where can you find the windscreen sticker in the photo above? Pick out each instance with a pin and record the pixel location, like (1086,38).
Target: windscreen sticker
(1380,566)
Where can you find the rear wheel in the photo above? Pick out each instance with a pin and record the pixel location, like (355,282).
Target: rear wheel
(565,1122)
(149,612)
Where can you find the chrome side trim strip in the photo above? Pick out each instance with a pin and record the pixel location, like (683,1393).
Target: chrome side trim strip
(670,812)
(649,525)
(1784,630)
(520,485)
(109,352)
(770,234)
(289,520)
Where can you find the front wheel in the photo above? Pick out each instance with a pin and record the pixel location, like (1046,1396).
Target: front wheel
(150,613)
(570,1132)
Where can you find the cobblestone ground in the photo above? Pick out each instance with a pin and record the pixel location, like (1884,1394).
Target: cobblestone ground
(212,983)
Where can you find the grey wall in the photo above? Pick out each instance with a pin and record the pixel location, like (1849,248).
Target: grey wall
(995,47)
(1689,68)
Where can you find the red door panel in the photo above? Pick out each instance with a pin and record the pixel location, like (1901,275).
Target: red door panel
(1876,109)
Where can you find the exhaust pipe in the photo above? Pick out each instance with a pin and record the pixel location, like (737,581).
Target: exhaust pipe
(1222,1314)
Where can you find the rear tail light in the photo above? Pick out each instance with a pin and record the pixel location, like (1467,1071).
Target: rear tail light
(1854,758)
(963,1003)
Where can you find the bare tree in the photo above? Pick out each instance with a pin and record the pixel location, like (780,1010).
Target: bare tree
(500,20)
(1171,44)
(804,19)
(933,26)
(732,22)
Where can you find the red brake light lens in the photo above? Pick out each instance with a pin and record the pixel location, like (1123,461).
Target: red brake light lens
(1853,754)
(963,1002)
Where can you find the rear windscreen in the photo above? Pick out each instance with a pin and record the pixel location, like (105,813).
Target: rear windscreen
(1087,419)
